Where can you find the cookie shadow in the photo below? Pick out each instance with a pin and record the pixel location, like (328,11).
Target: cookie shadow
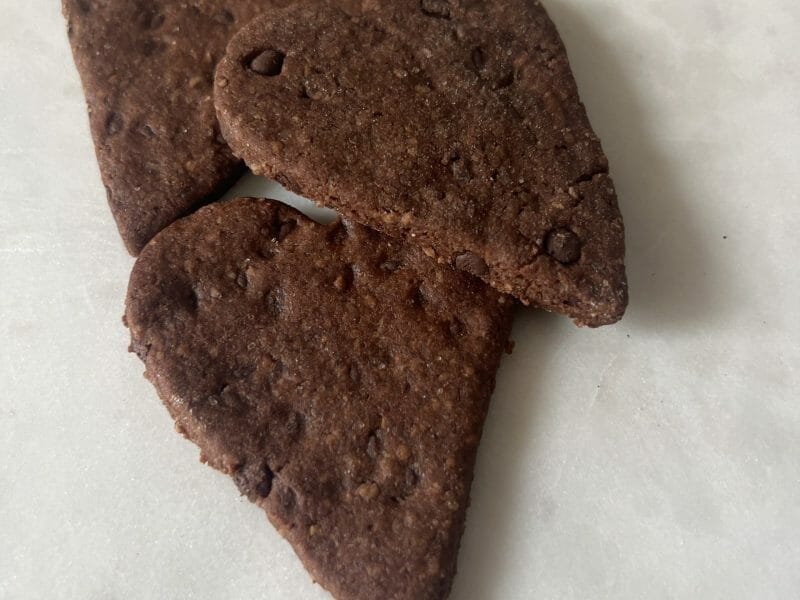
(667,261)
(513,428)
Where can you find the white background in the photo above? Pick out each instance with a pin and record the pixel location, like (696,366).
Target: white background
(659,458)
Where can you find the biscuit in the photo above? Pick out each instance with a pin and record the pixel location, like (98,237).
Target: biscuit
(341,378)
(453,123)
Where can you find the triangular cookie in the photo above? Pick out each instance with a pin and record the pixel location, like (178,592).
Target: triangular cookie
(340,378)
(453,123)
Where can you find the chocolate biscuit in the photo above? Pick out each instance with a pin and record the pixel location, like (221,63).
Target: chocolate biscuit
(453,123)
(339,377)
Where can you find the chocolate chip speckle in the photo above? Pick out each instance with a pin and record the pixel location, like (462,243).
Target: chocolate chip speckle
(472,264)
(436,8)
(114,124)
(563,245)
(478,59)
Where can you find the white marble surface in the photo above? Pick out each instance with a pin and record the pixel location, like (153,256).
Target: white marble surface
(657,459)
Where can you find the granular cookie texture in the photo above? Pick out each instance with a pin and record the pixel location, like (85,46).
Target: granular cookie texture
(147,68)
(341,378)
(453,123)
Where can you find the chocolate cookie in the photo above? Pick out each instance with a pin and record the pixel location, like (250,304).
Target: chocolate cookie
(339,377)
(455,123)
(147,69)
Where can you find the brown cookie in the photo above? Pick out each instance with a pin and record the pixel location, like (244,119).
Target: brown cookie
(453,123)
(147,68)
(340,378)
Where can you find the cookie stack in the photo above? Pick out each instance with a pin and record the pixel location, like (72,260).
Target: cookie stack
(341,373)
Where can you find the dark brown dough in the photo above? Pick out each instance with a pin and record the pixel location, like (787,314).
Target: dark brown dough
(456,124)
(340,378)
(147,68)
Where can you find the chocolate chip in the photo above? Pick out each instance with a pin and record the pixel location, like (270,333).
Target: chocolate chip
(436,8)
(478,59)
(84,6)
(241,280)
(415,297)
(269,62)
(505,81)
(456,328)
(564,245)
(254,481)
(264,486)
(460,169)
(114,124)
(472,264)
(149,20)
(273,304)
(390,265)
